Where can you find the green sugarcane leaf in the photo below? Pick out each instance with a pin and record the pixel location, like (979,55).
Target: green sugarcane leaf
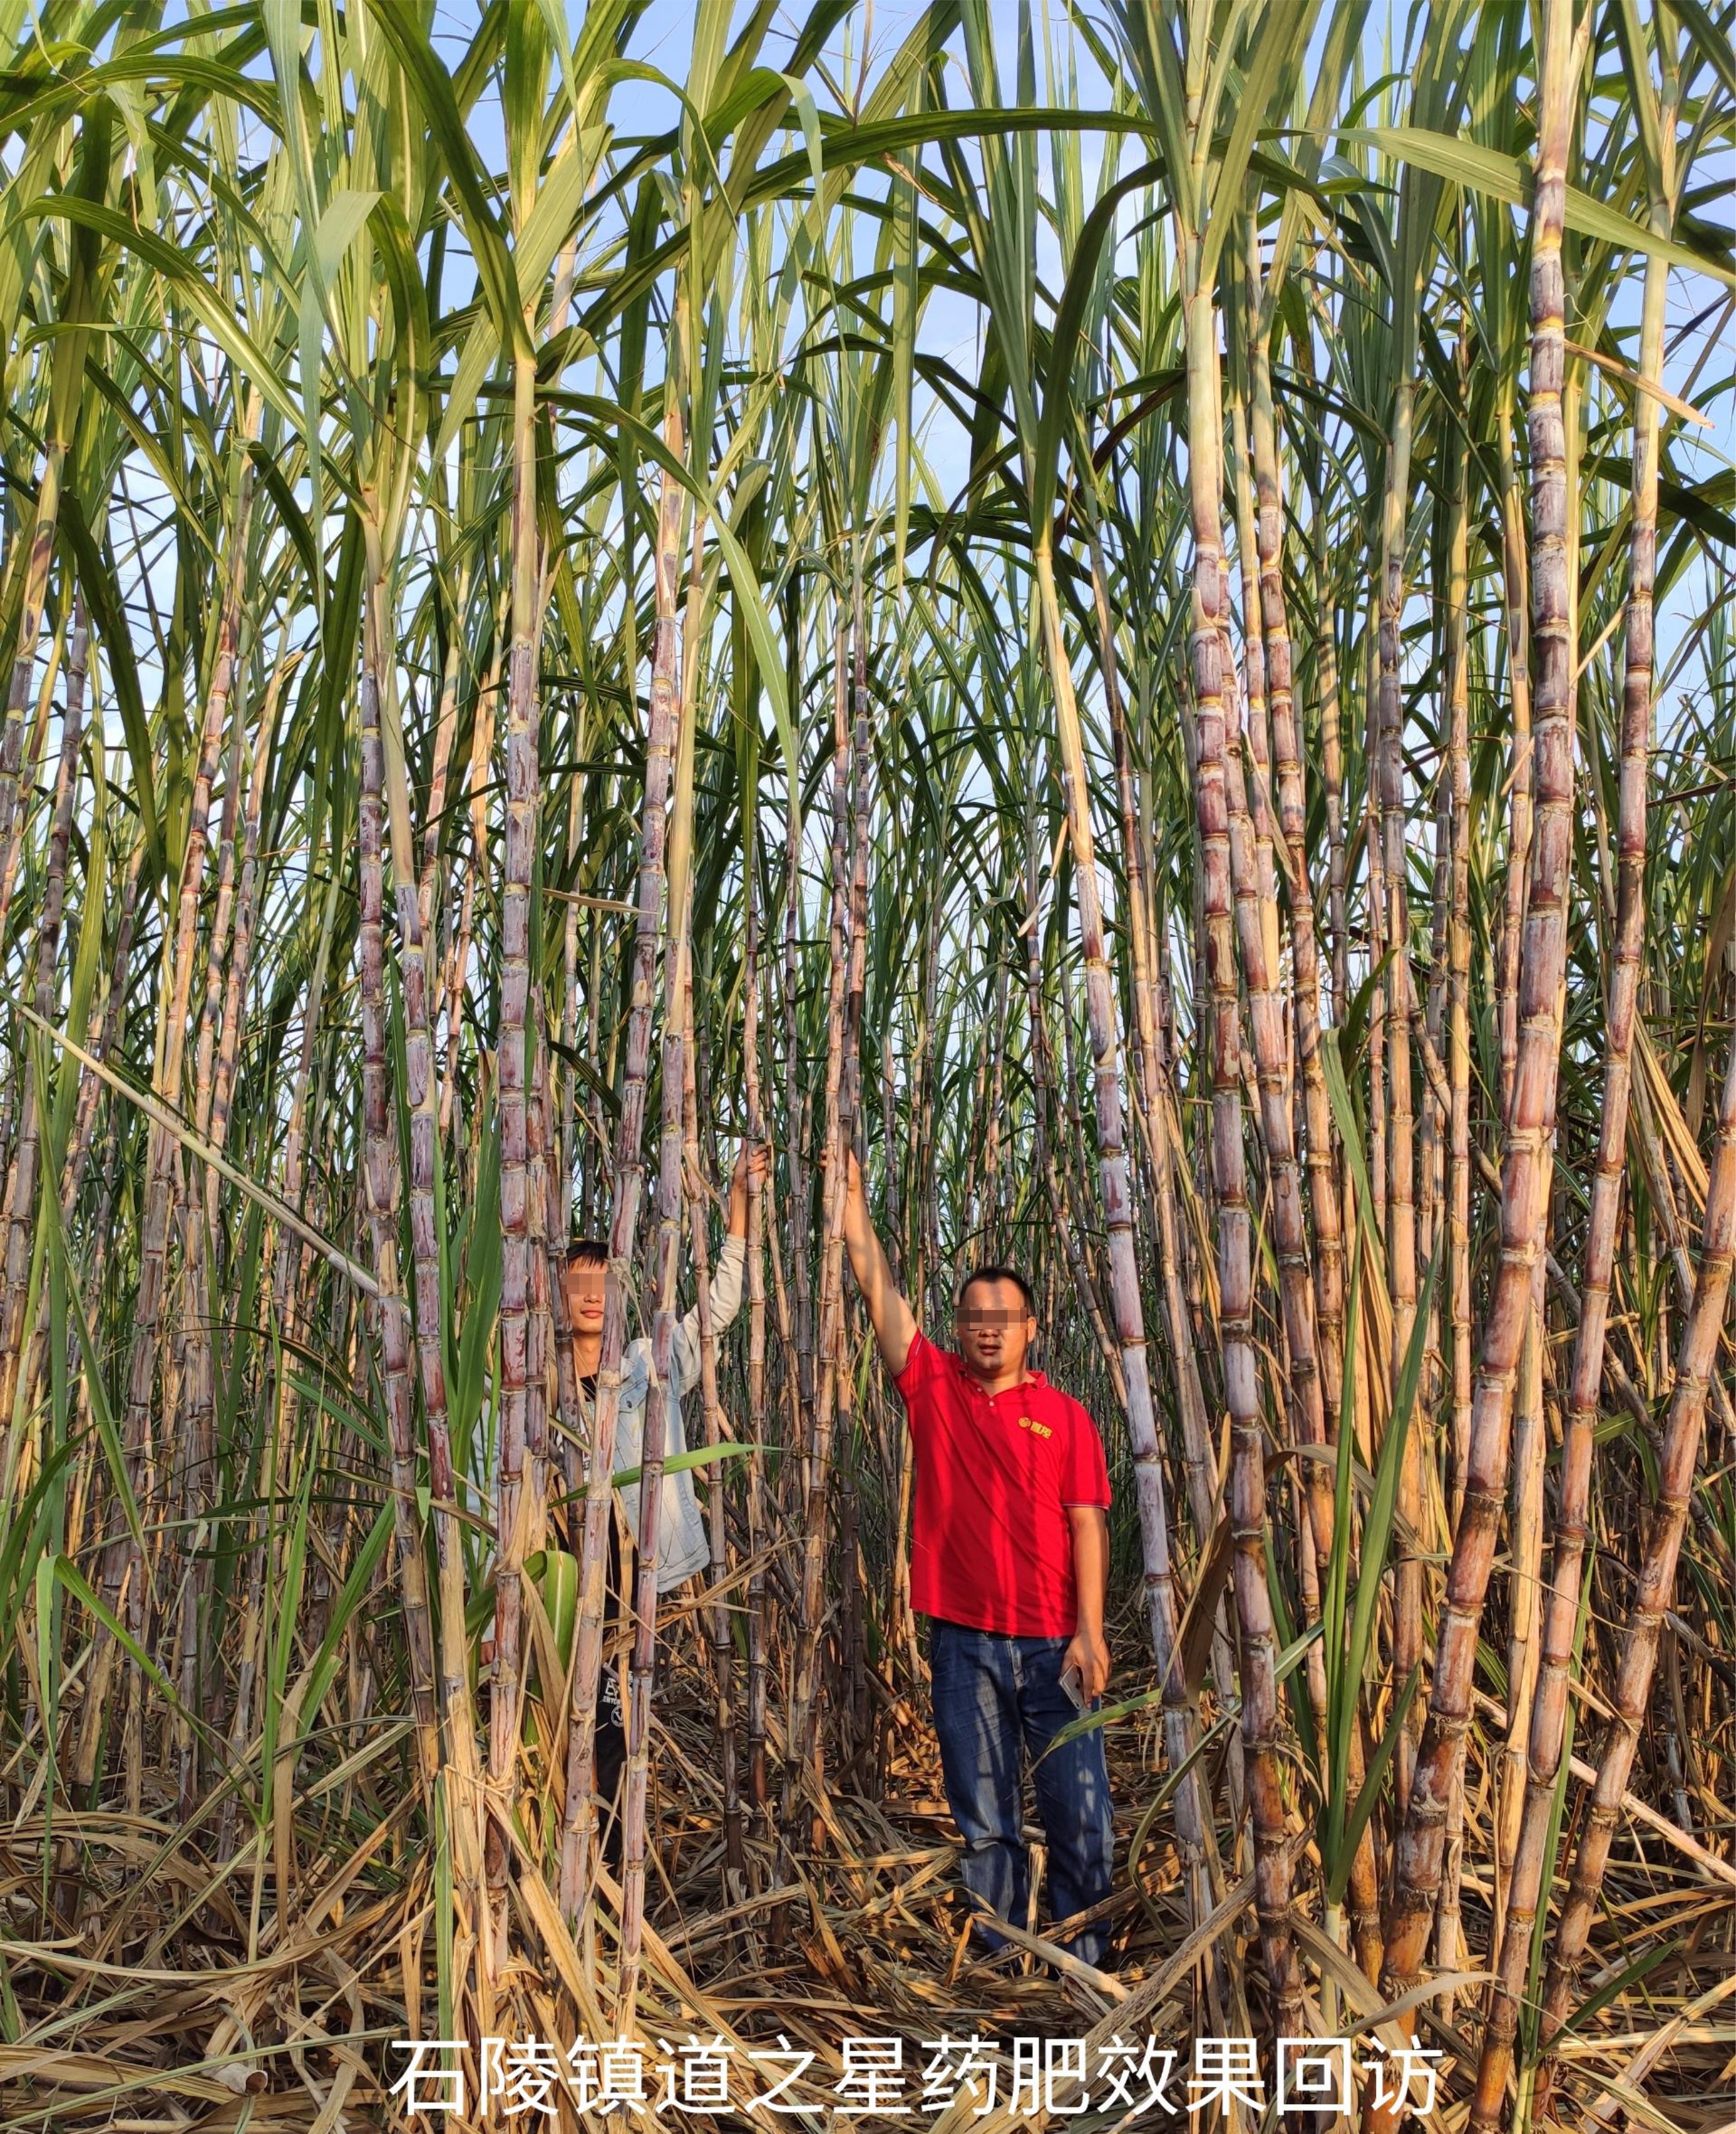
(179,270)
(1344,1118)
(26,1529)
(349,1600)
(1369,1799)
(1343,1682)
(1504,177)
(557,1586)
(96,1392)
(67,1574)
(1377,1524)
(433,88)
(1613,1989)
(1082,277)
(1284,27)
(703,1455)
(1712,40)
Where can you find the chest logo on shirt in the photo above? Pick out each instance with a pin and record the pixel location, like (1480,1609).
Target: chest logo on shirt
(1031,1422)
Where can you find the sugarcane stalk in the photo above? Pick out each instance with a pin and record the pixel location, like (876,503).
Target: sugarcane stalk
(1547,1732)
(216,1125)
(21,1186)
(80,1141)
(1525,1568)
(679,1069)
(717,1612)
(642,1664)
(1679,1452)
(412,898)
(162,1161)
(1256,930)
(1055,1179)
(1235,1272)
(759,1791)
(12,858)
(578,1818)
(1256,737)
(1328,1253)
(195,1446)
(1196,1840)
(457,972)
(444,734)
(1377,913)
(1300,1373)
(1432,1132)
(569,1106)
(1417,1861)
(38,557)
(979,1128)
(997,1110)
(1459,974)
(1448,1949)
(1399,1005)
(380,1178)
(862,761)
(1517,591)
(511,1502)
(287,1295)
(1331,778)
(1153,1081)
(802,1384)
(804,1733)
(109,1014)
(925,1252)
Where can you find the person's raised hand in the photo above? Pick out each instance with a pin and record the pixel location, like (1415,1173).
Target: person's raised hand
(852,1169)
(753,1160)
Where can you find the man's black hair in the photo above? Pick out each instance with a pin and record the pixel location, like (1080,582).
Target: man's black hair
(585,1252)
(994,1272)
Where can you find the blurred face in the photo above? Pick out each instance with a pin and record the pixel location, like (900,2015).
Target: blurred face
(584,1290)
(994,1328)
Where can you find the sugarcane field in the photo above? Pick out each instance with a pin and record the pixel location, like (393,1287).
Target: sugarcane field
(868,1066)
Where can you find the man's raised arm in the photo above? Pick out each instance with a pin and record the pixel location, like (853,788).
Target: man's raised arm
(894,1324)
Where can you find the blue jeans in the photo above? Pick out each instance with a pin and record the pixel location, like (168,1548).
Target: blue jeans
(996,1700)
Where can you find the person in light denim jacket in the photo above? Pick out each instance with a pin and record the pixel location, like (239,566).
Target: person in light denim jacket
(683,1546)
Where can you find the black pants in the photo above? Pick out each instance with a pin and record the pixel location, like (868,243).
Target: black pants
(611,1761)
(611,1722)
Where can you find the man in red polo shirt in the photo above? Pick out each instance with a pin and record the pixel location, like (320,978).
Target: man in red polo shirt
(1009,1560)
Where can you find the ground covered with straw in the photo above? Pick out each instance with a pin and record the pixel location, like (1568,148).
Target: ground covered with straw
(179,2014)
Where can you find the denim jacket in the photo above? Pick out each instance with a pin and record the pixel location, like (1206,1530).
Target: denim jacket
(682,1545)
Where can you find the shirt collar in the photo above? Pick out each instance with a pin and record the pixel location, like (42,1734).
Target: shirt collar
(1031,1378)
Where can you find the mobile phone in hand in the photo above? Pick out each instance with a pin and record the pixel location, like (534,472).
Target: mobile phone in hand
(1071,1683)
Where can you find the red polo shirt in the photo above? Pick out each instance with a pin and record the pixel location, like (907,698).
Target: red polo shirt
(993,1547)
